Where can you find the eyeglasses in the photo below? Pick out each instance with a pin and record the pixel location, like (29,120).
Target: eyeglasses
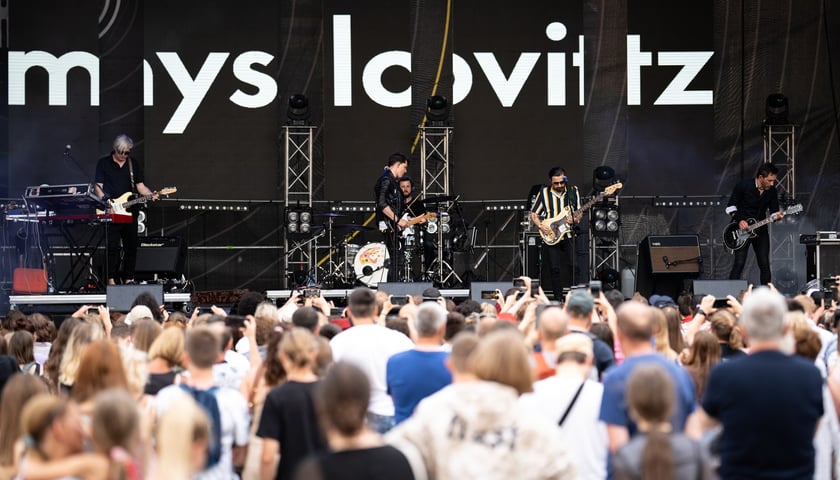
(125,152)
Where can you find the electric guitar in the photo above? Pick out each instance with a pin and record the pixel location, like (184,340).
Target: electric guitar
(559,224)
(121,204)
(734,238)
(409,229)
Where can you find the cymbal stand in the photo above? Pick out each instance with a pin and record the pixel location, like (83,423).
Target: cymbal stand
(407,248)
(333,269)
(440,265)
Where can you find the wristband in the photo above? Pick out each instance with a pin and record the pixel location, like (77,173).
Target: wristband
(699,312)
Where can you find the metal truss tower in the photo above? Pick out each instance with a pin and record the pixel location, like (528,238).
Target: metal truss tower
(780,149)
(297,156)
(604,251)
(434,160)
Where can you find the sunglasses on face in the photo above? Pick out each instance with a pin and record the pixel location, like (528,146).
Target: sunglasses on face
(125,152)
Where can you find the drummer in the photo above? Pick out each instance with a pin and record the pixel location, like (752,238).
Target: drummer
(412,207)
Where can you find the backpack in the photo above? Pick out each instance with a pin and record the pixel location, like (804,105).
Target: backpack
(207,400)
(31,368)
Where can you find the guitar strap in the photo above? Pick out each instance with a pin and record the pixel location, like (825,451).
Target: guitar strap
(131,175)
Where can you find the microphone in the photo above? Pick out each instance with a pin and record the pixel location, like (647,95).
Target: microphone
(67,150)
(665,259)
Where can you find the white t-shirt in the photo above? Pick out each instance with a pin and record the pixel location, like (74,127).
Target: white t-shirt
(369,347)
(232,371)
(235,422)
(585,436)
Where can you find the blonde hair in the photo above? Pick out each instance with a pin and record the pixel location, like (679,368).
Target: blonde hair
(82,335)
(299,347)
(180,427)
(660,335)
(115,421)
(502,357)
(136,369)
(169,346)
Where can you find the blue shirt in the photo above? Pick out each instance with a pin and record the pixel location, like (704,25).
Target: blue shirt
(414,375)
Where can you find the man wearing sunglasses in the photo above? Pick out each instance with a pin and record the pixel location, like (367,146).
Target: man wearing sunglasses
(558,200)
(116,174)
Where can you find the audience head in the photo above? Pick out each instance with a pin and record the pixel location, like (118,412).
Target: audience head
(463,346)
(22,347)
(169,347)
(50,420)
(148,300)
(763,315)
(455,323)
(182,439)
(248,303)
(18,390)
(306,317)
(502,357)
(342,400)
(579,306)
(635,324)
(723,326)
(80,337)
(553,322)
(274,370)
(575,348)
(116,421)
(298,349)
(202,346)
(362,304)
(100,368)
(430,321)
(45,330)
(143,333)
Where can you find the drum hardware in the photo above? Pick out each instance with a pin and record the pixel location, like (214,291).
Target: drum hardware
(371,264)
(440,271)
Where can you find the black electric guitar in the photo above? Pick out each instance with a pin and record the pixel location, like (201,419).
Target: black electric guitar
(559,224)
(734,238)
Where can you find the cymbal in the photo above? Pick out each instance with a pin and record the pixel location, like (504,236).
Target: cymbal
(352,226)
(439,199)
(330,214)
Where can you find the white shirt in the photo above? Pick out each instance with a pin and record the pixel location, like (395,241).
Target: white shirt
(369,347)
(235,421)
(585,435)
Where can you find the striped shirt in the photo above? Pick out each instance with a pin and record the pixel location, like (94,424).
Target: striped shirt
(549,203)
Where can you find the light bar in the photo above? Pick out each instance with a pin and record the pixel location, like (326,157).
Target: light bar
(353,208)
(494,208)
(672,203)
(214,207)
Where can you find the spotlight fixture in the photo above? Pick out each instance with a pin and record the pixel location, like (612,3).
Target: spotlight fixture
(444,222)
(437,111)
(298,111)
(432,225)
(605,220)
(777,110)
(298,220)
(610,279)
(602,177)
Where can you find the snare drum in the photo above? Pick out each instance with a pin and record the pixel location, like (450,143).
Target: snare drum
(369,264)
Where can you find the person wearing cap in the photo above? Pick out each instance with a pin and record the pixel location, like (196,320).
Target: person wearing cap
(661,301)
(572,400)
(369,346)
(580,306)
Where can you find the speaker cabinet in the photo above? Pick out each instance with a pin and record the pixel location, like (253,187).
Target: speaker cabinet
(665,264)
(719,288)
(822,260)
(401,289)
(160,256)
(120,297)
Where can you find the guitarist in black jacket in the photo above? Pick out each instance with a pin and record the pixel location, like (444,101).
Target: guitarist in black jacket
(558,199)
(752,198)
(115,175)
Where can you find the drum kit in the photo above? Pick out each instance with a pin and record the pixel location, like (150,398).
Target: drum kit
(349,264)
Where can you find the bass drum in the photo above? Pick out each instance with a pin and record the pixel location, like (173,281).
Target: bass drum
(370,264)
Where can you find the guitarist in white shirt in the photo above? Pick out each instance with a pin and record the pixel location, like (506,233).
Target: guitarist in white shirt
(559,198)
(117,174)
(752,198)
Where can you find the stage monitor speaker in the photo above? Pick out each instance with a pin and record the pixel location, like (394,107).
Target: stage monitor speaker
(483,292)
(533,264)
(822,260)
(161,256)
(120,297)
(401,289)
(666,262)
(719,288)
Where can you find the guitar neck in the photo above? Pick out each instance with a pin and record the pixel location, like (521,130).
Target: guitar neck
(592,201)
(140,199)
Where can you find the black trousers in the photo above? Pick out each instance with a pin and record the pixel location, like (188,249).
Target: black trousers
(125,234)
(560,262)
(761,246)
(392,242)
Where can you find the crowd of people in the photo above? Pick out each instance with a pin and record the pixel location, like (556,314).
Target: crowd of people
(594,387)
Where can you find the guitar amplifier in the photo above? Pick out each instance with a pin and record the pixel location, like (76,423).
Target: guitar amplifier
(666,263)
(160,256)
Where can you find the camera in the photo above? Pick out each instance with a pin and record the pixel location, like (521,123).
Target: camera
(595,288)
(399,300)
(488,294)
(829,290)
(720,303)
(311,292)
(519,282)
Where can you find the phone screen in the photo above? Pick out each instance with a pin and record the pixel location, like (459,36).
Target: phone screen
(488,294)
(535,288)
(518,282)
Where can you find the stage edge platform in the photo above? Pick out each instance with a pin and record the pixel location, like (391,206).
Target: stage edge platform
(344,293)
(81,299)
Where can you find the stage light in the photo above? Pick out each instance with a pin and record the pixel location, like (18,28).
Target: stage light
(610,279)
(605,220)
(298,220)
(432,225)
(298,111)
(437,111)
(602,177)
(444,222)
(777,110)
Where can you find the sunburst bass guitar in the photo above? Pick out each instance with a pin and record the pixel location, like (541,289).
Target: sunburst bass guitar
(559,224)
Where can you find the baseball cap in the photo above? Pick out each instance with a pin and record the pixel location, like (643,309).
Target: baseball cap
(580,302)
(660,301)
(136,313)
(431,293)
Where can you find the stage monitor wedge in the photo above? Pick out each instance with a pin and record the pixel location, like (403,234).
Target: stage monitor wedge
(120,297)
(401,289)
(719,288)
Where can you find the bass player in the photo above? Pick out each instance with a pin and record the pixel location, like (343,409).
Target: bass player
(117,174)
(558,199)
(751,199)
